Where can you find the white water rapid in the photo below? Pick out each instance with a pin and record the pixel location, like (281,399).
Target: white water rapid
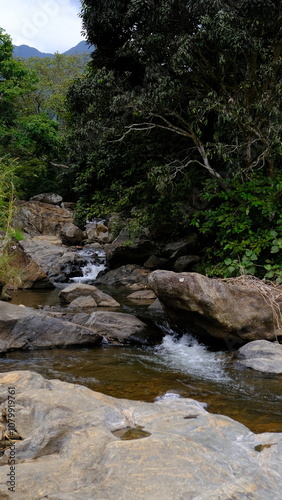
(95,262)
(188,356)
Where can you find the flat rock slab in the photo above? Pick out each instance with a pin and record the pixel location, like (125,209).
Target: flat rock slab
(76,290)
(76,444)
(25,328)
(261,355)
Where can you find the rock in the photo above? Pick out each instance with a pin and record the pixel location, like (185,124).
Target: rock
(56,261)
(116,222)
(76,290)
(124,275)
(184,263)
(30,274)
(156,306)
(142,295)
(116,326)
(69,205)
(25,328)
(36,218)
(86,302)
(121,253)
(97,231)
(48,238)
(71,234)
(154,262)
(51,198)
(225,309)
(261,355)
(179,248)
(79,444)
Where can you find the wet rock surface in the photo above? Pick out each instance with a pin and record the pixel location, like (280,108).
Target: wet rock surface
(70,447)
(262,356)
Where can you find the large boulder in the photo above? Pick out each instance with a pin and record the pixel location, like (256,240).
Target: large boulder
(25,328)
(261,355)
(76,290)
(121,252)
(71,234)
(124,276)
(226,309)
(35,218)
(73,443)
(30,274)
(55,260)
(177,249)
(120,327)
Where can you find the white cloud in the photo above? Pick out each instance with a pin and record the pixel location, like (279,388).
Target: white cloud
(48,25)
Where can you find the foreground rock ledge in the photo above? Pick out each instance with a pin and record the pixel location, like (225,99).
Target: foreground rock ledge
(69,448)
(224,309)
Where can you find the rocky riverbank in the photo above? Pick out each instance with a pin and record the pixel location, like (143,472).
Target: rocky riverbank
(72,443)
(236,311)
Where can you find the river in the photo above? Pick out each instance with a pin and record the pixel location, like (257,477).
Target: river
(178,367)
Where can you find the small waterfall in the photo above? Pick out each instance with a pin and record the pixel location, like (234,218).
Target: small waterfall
(94,261)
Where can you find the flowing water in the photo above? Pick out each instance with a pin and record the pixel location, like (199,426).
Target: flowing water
(95,262)
(178,367)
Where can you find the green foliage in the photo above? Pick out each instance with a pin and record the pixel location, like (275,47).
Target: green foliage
(7,209)
(242,227)
(182,95)
(55,75)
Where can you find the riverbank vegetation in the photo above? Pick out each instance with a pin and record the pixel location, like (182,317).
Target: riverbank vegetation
(175,122)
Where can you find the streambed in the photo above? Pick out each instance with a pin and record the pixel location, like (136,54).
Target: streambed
(179,367)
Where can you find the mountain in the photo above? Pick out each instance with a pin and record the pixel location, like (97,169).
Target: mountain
(24,51)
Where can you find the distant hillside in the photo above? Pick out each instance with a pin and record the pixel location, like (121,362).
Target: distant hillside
(24,51)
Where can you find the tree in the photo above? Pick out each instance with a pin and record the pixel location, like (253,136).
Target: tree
(209,71)
(15,83)
(55,75)
(198,85)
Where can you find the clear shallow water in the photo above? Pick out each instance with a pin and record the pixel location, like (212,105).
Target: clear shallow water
(179,365)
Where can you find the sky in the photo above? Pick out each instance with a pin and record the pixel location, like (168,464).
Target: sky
(48,25)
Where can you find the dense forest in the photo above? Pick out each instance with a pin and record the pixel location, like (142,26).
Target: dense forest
(175,122)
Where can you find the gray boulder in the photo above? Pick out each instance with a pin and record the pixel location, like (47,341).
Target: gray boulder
(76,444)
(117,326)
(71,234)
(51,198)
(36,218)
(225,309)
(83,303)
(25,328)
(262,356)
(53,259)
(76,290)
(125,276)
